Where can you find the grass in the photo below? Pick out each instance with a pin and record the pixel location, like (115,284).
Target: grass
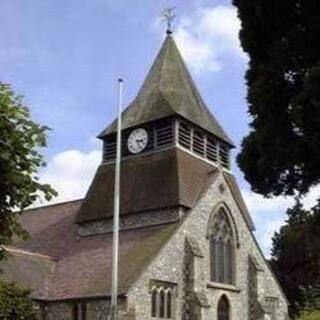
(310,315)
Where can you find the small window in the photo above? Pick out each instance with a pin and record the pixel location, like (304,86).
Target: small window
(162,301)
(223,309)
(79,311)
(161,304)
(75,312)
(169,304)
(154,303)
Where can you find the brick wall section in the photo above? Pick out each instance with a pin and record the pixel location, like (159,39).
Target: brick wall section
(168,265)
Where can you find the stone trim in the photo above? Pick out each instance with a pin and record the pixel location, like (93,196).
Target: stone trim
(202,299)
(255,263)
(221,286)
(195,247)
(132,221)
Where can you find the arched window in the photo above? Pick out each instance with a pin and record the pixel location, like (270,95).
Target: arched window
(162,301)
(223,309)
(222,249)
(75,312)
(154,303)
(169,305)
(162,304)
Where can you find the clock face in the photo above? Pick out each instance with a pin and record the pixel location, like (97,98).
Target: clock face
(137,140)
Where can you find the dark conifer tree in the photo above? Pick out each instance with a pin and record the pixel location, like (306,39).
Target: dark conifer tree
(281,154)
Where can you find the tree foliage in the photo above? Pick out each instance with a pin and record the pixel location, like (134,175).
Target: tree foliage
(15,302)
(296,256)
(281,154)
(20,160)
(311,297)
(310,315)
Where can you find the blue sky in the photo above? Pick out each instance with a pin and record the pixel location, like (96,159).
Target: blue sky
(65,57)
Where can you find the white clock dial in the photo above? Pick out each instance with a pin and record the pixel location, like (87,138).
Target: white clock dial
(137,140)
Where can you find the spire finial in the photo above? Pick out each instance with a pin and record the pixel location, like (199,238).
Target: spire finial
(168,16)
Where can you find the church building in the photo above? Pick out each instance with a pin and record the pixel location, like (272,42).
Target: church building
(187,248)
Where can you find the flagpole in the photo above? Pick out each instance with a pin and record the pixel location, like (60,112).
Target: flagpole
(115,252)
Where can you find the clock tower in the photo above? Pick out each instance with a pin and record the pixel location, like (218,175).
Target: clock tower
(171,144)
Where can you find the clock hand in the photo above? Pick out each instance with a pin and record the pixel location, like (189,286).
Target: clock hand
(139,141)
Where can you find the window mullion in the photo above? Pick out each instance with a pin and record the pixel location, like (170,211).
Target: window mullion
(165,304)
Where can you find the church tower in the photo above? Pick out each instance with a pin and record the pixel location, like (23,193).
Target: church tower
(171,143)
(187,250)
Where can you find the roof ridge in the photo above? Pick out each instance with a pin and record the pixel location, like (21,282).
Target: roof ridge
(52,205)
(15,250)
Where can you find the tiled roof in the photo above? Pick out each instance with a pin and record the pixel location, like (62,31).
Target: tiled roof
(159,180)
(77,266)
(236,192)
(169,90)
(58,264)
(32,271)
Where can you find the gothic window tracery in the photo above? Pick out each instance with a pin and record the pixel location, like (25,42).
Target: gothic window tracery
(222,249)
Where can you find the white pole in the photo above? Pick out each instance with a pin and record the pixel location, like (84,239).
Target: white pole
(115,252)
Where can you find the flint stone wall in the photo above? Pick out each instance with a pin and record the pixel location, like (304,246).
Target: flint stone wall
(168,264)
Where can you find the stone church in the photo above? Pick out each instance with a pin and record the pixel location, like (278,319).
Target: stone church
(187,244)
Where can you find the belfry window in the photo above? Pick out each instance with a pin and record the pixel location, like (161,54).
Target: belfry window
(223,309)
(203,144)
(222,249)
(162,301)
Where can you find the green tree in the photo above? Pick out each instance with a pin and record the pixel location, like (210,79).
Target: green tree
(311,303)
(15,302)
(20,160)
(281,154)
(296,256)
(311,297)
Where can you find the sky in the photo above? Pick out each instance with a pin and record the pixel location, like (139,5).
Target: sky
(65,57)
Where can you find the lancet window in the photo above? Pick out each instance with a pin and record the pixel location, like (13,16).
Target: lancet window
(222,249)
(162,301)
(223,309)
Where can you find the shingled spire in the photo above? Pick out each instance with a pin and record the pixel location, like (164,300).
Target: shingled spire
(169,90)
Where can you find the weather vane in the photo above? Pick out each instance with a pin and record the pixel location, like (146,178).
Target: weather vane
(168,16)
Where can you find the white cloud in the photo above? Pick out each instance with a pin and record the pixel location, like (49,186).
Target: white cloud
(259,205)
(70,173)
(207,37)
(270,227)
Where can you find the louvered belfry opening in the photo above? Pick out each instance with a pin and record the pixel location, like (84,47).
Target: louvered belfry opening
(203,144)
(175,132)
(170,108)
(160,136)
